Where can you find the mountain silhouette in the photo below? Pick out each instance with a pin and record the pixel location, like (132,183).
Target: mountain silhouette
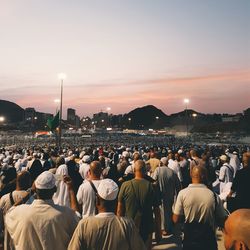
(11,111)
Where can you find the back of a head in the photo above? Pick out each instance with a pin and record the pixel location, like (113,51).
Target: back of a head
(136,156)
(95,169)
(140,167)
(23,180)
(60,161)
(199,174)
(152,154)
(246,159)
(193,153)
(237,229)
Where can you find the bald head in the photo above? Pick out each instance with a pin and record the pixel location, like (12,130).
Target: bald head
(95,169)
(140,167)
(199,174)
(237,230)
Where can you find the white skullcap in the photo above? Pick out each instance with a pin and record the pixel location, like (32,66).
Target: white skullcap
(108,189)
(86,158)
(223,157)
(164,160)
(235,153)
(45,180)
(180,151)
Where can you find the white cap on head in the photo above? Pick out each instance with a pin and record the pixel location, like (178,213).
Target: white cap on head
(164,160)
(108,189)
(223,157)
(45,180)
(86,158)
(180,151)
(235,153)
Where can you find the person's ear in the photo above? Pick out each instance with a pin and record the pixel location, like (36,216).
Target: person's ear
(239,245)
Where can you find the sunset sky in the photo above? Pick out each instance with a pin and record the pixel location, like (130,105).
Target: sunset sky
(126,53)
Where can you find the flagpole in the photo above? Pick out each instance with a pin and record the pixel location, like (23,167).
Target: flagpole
(61,76)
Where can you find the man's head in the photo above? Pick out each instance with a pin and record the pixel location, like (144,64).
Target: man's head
(107,192)
(237,230)
(140,168)
(224,159)
(95,169)
(246,160)
(23,180)
(199,174)
(136,156)
(45,185)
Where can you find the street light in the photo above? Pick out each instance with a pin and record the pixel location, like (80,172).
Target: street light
(186,102)
(61,77)
(2,118)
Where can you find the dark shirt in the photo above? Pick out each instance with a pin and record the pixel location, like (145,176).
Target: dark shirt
(241,185)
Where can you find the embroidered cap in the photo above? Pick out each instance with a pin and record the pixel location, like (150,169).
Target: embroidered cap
(107,189)
(45,180)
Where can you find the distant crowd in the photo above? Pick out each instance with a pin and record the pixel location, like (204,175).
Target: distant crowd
(124,197)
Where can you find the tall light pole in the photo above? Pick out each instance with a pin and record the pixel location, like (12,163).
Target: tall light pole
(186,102)
(61,77)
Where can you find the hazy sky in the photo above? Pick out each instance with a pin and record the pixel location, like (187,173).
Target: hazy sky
(126,53)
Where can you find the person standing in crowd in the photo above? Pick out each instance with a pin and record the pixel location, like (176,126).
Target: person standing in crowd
(84,166)
(136,200)
(40,225)
(153,162)
(237,230)
(169,187)
(185,170)
(195,160)
(199,206)
(234,160)
(173,163)
(86,194)
(226,173)
(241,185)
(111,231)
(23,183)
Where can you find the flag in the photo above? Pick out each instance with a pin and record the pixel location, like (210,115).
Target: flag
(53,123)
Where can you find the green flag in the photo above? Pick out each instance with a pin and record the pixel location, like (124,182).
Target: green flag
(53,123)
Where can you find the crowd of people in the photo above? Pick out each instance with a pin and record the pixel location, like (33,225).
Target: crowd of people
(123,197)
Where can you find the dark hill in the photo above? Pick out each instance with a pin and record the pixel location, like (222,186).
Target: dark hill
(146,117)
(11,111)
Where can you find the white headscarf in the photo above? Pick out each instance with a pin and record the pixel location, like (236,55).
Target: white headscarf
(61,197)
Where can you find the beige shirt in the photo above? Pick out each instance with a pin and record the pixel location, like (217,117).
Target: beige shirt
(41,225)
(197,203)
(106,231)
(154,163)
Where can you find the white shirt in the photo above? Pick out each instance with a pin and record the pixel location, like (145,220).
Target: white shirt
(175,166)
(84,170)
(87,197)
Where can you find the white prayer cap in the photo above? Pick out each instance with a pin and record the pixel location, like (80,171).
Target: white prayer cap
(180,151)
(164,160)
(86,158)
(108,189)
(235,153)
(45,180)
(223,157)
